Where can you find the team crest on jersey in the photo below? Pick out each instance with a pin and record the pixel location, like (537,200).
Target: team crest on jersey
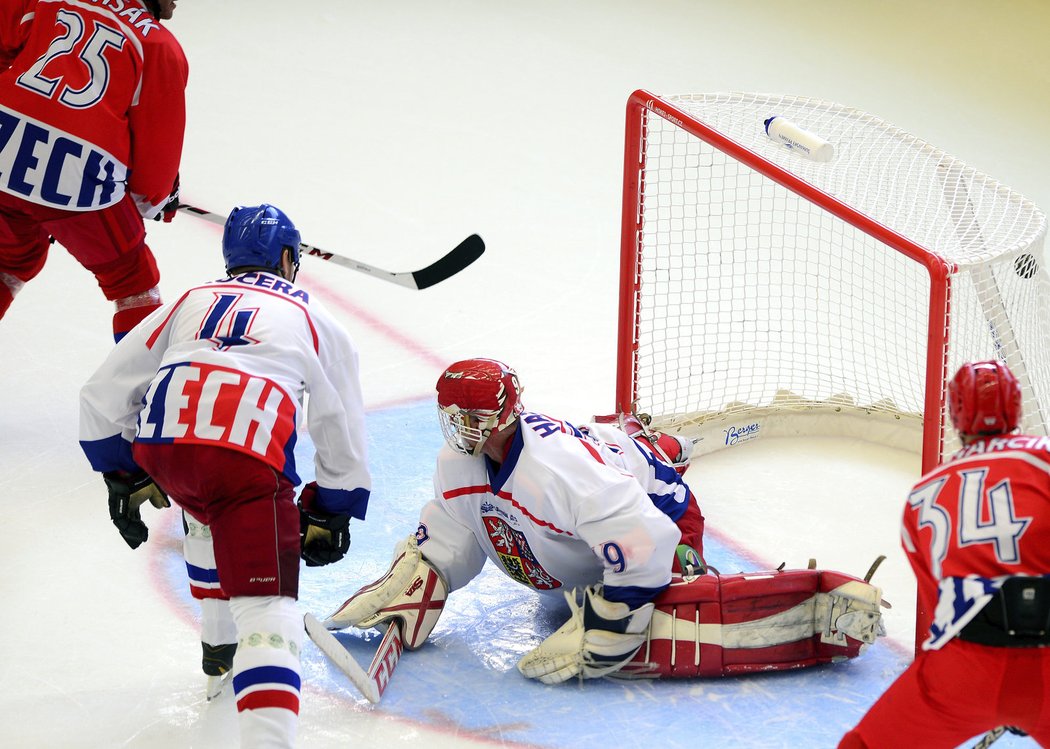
(518,560)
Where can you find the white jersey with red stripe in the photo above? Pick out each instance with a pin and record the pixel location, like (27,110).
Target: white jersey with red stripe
(567,507)
(975,521)
(93,103)
(228,364)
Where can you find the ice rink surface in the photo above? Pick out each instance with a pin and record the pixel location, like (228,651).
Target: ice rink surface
(389,132)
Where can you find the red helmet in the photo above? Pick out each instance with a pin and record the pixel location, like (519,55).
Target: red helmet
(477,397)
(984,398)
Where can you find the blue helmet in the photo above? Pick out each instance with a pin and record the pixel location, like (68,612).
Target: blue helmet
(255,236)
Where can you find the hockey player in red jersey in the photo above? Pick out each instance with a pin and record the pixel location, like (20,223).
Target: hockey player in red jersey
(202,402)
(601,514)
(977,533)
(92,115)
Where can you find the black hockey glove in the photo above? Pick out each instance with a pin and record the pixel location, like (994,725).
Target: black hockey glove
(167,213)
(127,492)
(324,537)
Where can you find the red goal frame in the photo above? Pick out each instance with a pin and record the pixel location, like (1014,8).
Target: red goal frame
(640,107)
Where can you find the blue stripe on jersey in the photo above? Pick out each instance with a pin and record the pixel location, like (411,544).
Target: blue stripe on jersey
(353,503)
(201,574)
(669,505)
(155,414)
(290,473)
(110,454)
(633,595)
(497,478)
(957,599)
(266,675)
(674,502)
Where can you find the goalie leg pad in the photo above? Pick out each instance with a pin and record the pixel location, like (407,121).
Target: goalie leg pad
(764,621)
(411,591)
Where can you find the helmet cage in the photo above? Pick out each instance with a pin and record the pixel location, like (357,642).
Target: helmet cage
(476,398)
(466,431)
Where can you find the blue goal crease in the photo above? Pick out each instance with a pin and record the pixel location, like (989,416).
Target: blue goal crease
(465,675)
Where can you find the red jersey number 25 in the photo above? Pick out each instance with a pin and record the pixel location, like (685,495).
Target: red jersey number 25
(92,62)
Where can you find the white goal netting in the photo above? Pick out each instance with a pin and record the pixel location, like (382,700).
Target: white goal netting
(764,292)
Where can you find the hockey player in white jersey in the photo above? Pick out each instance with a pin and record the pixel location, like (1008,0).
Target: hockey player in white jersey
(202,401)
(605,518)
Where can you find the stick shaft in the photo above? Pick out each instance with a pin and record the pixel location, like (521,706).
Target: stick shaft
(990,738)
(465,253)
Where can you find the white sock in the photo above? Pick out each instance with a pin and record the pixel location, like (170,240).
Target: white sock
(266,673)
(217,625)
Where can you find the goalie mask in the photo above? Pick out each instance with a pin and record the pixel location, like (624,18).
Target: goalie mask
(477,397)
(984,398)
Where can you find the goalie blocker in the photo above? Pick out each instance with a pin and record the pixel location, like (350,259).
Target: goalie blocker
(411,592)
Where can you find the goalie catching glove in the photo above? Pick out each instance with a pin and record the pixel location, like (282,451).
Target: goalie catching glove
(411,593)
(324,537)
(599,638)
(127,492)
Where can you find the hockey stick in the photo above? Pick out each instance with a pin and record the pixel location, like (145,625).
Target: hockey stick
(371,683)
(465,253)
(990,738)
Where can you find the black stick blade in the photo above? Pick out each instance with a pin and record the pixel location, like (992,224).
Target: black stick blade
(465,253)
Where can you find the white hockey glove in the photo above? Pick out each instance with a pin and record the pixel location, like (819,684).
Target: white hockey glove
(599,638)
(411,592)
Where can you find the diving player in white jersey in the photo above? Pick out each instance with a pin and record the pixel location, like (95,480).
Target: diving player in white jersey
(605,517)
(202,401)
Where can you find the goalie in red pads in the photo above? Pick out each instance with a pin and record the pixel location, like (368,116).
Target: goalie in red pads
(601,514)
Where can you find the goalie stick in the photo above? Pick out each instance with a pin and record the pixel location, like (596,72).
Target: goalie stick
(371,683)
(465,253)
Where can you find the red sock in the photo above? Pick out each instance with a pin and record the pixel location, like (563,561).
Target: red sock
(6,297)
(126,318)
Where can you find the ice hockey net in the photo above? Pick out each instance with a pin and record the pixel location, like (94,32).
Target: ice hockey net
(766,293)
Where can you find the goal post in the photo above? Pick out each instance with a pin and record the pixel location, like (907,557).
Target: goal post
(765,292)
